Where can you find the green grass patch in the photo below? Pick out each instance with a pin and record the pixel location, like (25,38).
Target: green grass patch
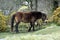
(51,32)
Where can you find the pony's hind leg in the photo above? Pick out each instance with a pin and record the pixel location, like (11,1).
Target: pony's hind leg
(17,20)
(12,22)
(16,27)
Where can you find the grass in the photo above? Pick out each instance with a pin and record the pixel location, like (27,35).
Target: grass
(51,32)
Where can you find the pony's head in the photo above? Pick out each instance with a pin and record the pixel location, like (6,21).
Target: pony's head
(44,18)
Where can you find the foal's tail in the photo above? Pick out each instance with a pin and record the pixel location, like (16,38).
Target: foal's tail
(12,22)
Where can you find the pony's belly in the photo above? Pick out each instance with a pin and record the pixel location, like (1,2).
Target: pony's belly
(25,20)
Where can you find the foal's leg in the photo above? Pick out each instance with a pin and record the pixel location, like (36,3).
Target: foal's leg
(16,27)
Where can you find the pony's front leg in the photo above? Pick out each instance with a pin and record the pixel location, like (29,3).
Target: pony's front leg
(16,27)
(32,25)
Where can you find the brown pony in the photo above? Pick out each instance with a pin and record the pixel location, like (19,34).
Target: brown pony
(27,17)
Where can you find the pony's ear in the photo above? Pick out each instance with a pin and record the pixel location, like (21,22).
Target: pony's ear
(46,18)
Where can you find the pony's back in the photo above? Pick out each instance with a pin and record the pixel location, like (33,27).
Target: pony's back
(37,14)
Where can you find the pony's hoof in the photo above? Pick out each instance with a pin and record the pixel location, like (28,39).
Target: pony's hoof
(11,31)
(29,31)
(17,32)
(33,30)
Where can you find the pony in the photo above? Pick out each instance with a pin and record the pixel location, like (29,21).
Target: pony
(27,17)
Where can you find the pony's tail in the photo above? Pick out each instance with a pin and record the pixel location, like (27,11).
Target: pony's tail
(12,22)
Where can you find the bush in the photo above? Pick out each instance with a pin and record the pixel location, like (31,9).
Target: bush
(56,16)
(39,21)
(2,22)
(24,9)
